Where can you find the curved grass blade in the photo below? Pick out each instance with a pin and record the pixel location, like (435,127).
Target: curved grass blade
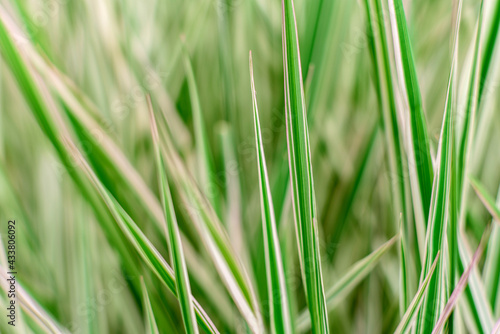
(151,327)
(416,301)
(299,157)
(276,285)
(348,282)
(183,287)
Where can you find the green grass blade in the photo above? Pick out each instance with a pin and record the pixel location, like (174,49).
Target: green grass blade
(399,182)
(419,137)
(151,327)
(354,275)
(416,301)
(437,225)
(277,291)
(299,157)
(183,287)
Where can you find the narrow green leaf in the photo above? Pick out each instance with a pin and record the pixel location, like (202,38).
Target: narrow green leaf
(419,137)
(402,198)
(151,327)
(276,284)
(440,201)
(299,157)
(183,287)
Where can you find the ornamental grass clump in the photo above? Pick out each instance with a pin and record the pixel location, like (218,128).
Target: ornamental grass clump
(249,167)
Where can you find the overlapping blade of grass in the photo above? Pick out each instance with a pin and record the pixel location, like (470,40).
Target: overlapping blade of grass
(183,286)
(491,271)
(353,276)
(110,157)
(140,242)
(151,327)
(453,299)
(439,218)
(299,157)
(276,284)
(193,199)
(486,198)
(43,109)
(416,302)
(387,101)
(212,233)
(215,240)
(475,296)
(419,156)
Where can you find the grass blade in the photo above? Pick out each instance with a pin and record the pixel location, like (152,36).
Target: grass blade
(277,291)
(418,135)
(299,157)
(183,287)
(151,327)
(438,218)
